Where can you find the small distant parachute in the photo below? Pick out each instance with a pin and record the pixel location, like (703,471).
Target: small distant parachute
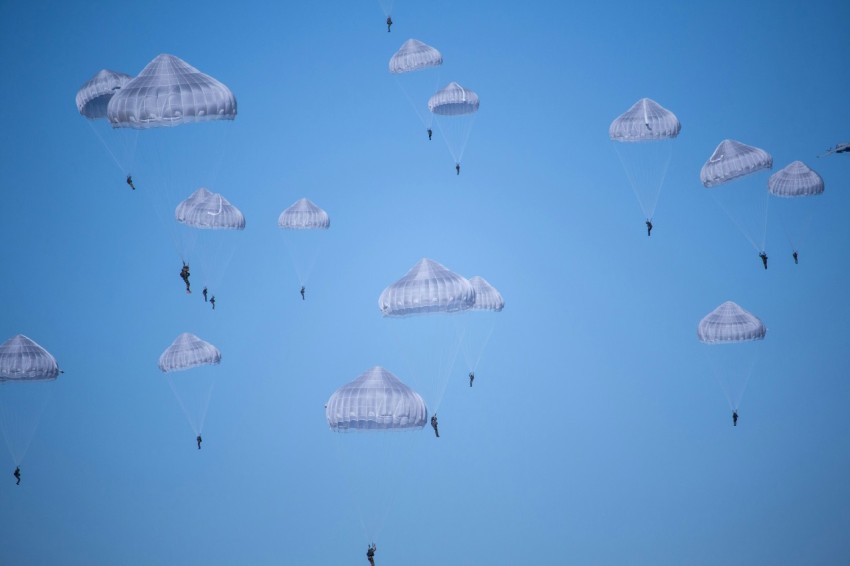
(790,183)
(428,287)
(795,180)
(304,215)
(27,373)
(643,133)
(304,222)
(21,359)
(206,210)
(376,401)
(731,160)
(170,92)
(414,55)
(730,323)
(734,329)
(94,96)
(193,390)
(455,108)
(187,352)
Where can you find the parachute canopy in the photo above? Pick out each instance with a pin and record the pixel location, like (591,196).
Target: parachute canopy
(427,288)
(170,92)
(730,323)
(94,96)
(733,159)
(486,296)
(646,120)
(414,56)
(453,100)
(21,359)
(186,352)
(376,400)
(304,215)
(795,180)
(207,210)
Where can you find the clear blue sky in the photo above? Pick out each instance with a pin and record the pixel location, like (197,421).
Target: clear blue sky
(596,432)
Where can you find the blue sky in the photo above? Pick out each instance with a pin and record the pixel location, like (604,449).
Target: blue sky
(595,433)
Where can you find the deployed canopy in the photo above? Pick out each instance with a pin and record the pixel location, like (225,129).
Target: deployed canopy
(186,352)
(207,210)
(733,159)
(21,359)
(795,180)
(170,92)
(730,323)
(414,56)
(646,120)
(304,215)
(427,288)
(94,96)
(376,400)
(453,100)
(486,296)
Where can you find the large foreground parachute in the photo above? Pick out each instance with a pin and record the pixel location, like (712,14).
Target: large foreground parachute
(734,330)
(376,400)
(94,96)
(428,287)
(643,134)
(170,92)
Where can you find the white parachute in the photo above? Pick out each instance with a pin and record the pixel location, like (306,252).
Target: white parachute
(455,108)
(27,373)
(194,390)
(732,330)
(643,135)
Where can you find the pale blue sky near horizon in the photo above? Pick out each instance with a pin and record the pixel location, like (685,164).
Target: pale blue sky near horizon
(595,432)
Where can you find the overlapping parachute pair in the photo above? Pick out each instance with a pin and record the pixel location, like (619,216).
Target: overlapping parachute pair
(430,340)
(453,106)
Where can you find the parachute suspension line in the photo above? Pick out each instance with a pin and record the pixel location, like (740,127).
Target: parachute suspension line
(746,380)
(304,262)
(427,118)
(25,428)
(657,193)
(735,221)
(632,183)
(197,425)
(764,215)
(108,149)
(446,366)
(353,490)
